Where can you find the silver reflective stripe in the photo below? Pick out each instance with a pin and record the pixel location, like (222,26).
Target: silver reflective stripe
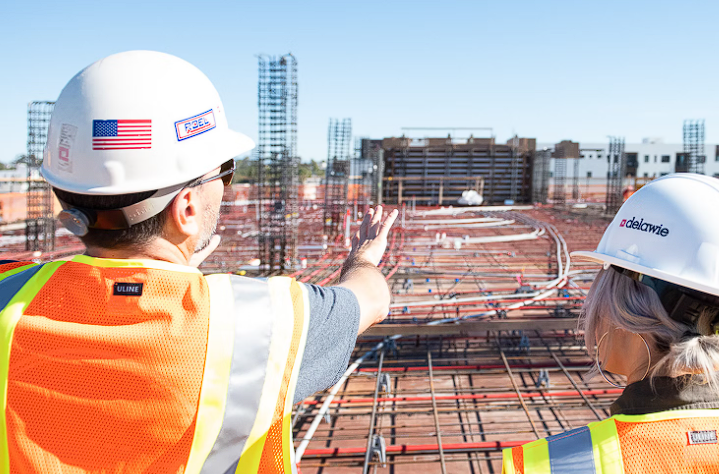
(571,452)
(253,333)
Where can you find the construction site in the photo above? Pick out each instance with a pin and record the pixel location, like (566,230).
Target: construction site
(481,350)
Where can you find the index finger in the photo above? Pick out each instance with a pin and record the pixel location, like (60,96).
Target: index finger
(387,224)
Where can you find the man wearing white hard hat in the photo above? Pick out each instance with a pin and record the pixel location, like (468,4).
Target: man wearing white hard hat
(653,315)
(127,359)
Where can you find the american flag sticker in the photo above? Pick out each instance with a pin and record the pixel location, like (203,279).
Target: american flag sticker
(121,134)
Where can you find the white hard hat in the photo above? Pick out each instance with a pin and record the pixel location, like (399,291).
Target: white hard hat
(668,230)
(137,121)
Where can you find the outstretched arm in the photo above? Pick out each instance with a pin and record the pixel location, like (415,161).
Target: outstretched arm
(360,273)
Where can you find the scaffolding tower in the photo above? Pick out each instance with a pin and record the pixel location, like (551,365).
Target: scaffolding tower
(371,155)
(617,164)
(40,222)
(339,136)
(694,145)
(540,176)
(514,169)
(575,180)
(560,177)
(277,163)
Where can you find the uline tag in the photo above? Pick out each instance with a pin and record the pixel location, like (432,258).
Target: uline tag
(702,437)
(127,289)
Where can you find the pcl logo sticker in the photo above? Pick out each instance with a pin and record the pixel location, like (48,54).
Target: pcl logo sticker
(190,127)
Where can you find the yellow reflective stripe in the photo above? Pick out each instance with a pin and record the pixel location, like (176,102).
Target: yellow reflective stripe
(536,457)
(298,292)
(279,350)
(136,263)
(9,318)
(507,461)
(606,448)
(16,270)
(667,415)
(215,381)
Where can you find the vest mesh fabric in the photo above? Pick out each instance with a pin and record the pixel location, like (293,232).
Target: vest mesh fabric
(273,459)
(662,447)
(105,383)
(518,459)
(6,267)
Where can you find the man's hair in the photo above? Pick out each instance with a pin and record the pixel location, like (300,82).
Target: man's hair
(136,236)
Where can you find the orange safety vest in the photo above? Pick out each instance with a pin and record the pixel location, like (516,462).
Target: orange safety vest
(674,441)
(141,366)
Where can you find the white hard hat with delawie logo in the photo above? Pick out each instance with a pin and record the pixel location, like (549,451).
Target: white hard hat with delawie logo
(134,122)
(667,231)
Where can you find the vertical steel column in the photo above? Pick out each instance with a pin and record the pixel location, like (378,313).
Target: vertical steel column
(575,180)
(514,184)
(277,161)
(694,145)
(617,165)
(40,222)
(560,175)
(339,135)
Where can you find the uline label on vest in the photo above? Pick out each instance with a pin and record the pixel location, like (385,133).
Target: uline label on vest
(702,437)
(127,289)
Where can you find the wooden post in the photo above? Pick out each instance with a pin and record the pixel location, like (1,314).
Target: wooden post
(399,193)
(441,190)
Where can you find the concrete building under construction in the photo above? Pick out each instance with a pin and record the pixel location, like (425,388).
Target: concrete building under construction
(439,170)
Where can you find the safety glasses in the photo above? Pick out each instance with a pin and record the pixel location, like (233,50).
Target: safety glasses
(227,171)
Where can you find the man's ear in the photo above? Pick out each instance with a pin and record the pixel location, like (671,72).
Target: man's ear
(185,212)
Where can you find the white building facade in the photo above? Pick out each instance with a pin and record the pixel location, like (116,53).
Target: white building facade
(654,159)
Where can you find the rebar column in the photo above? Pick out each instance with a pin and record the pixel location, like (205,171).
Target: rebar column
(337,175)
(617,164)
(40,222)
(277,161)
(560,175)
(694,145)
(540,176)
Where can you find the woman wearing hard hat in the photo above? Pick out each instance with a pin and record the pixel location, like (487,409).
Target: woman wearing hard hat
(653,315)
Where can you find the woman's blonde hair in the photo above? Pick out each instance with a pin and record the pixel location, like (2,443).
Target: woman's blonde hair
(624,303)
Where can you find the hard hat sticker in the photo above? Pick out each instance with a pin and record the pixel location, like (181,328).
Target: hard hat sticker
(64,145)
(190,127)
(121,134)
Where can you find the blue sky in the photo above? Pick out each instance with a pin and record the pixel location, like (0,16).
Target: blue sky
(578,70)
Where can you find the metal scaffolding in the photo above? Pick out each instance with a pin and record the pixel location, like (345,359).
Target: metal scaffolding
(514,169)
(372,155)
(540,176)
(575,180)
(40,222)
(339,136)
(617,163)
(560,177)
(277,163)
(694,145)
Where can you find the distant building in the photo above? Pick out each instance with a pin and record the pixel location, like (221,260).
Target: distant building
(438,170)
(651,158)
(14,180)
(566,149)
